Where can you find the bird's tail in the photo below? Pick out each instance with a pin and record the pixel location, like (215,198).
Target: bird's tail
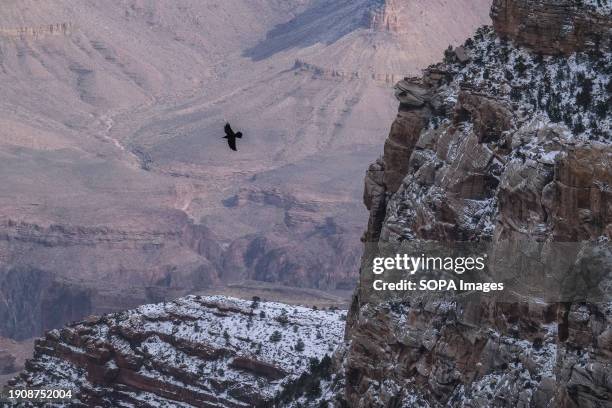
(239,135)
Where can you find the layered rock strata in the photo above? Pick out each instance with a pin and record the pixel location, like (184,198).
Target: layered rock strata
(502,142)
(193,352)
(559,27)
(386,17)
(37,32)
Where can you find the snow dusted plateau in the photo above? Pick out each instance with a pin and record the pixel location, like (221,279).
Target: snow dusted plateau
(196,351)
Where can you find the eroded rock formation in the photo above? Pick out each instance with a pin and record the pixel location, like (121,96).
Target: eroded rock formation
(496,144)
(385,17)
(559,27)
(487,149)
(193,352)
(37,32)
(44,290)
(54,274)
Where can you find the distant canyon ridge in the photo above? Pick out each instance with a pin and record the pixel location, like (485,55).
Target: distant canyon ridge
(117,189)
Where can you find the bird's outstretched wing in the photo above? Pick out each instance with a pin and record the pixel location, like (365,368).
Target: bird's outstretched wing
(231,141)
(228,130)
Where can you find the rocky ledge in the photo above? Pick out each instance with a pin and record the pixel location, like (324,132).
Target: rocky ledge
(37,32)
(193,352)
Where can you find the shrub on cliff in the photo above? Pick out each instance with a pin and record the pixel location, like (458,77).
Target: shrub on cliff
(276,336)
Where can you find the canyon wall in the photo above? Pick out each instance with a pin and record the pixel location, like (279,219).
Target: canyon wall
(498,144)
(53,274)
(559,27)
(502,142)
(111,155)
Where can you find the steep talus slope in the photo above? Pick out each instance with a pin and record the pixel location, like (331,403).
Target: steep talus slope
(193,352)
(508,141)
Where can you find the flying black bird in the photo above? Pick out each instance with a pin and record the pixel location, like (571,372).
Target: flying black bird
(231,137)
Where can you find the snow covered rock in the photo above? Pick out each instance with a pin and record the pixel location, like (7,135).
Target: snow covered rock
(512,144)
(192,352)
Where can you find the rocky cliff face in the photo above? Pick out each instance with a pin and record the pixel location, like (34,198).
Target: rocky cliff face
(35,300)
(502,142)
(54,274)
(13,356)
(36,32)
(193,352)
(560,27)
(385,16)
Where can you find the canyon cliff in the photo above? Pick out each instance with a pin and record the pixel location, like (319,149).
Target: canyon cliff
(117,189)
(507,140)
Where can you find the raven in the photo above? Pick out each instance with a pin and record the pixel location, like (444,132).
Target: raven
(231,137)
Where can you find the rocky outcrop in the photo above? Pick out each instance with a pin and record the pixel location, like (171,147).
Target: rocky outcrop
(385,16)
(565,200)
(560,27)
(37,32)
(386,79)
(479,154)
(508,355)
(195,351)
(375,200)
(400,143)
(386,174)
(579,187)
